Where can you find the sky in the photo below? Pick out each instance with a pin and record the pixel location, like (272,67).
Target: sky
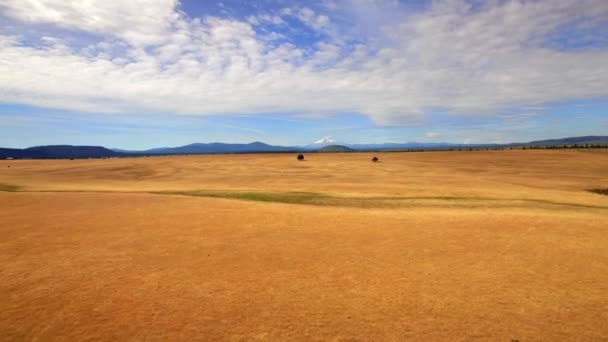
(154,73)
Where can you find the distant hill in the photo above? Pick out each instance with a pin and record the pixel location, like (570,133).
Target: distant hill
(401,146)
(591,139)
(199,148)
(59,152)
(139,152)
(329,141)
(335,148)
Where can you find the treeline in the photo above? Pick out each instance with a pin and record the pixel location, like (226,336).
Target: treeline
(556,147)
(498,148)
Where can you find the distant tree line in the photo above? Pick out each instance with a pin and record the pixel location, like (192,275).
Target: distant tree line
(498,148)
(574,146)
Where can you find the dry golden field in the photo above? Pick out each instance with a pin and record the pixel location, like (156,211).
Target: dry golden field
(454,246)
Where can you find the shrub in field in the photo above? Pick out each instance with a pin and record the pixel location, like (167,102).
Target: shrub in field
(600,191)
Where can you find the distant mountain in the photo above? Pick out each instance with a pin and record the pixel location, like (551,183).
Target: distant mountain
(325,141)
(592,140)
(139,152)
(335,148)
(59,151)
(327,144)
(199,148)
(400,146)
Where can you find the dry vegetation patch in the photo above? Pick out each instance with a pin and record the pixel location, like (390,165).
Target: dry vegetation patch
(599,191)
(9,187)
(311,198)
(277,197)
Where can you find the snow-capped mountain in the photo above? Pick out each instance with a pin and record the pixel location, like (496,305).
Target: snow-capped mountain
(325,141)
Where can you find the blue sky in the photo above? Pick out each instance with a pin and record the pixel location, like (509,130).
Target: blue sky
(149,73)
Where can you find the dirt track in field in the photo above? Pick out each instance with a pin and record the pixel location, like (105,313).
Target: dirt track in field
(503,245)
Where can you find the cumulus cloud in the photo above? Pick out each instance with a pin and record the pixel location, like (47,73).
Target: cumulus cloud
(310,18)
(137,21)
(453,57)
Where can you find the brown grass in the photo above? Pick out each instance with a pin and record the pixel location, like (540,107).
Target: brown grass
(497,245)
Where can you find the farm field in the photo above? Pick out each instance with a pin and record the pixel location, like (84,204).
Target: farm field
(459,246)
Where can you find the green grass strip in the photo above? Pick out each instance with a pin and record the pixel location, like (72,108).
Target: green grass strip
(282,197)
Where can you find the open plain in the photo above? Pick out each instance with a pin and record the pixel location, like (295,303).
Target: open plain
(458,246)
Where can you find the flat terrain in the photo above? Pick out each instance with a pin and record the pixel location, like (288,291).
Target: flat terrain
(455,246)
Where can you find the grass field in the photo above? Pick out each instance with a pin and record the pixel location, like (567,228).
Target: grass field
(455,246)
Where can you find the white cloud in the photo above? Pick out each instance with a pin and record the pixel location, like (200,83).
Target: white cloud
(310,18)
(265,19)
(137,21)
(451,58)
(432,134)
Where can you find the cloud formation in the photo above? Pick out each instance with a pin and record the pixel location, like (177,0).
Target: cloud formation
(452,56)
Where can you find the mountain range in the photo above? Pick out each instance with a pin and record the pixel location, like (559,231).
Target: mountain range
(58,152)
(326,144)
(210,148)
